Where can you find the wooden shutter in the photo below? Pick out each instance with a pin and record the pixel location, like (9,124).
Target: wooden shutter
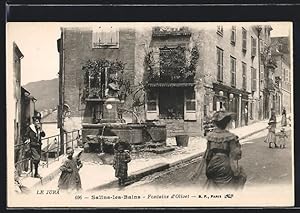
(253,70)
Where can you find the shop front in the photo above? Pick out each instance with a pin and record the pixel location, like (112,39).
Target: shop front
(231,100)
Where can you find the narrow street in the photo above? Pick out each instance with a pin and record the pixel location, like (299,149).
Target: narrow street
(262,165)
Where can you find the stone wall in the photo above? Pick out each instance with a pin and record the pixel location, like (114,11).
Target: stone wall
(77,47)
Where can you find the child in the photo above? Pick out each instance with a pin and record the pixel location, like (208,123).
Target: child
(282,138)
(121,159)
(69,178)
(271,137)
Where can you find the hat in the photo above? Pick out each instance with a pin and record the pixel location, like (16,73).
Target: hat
(221,115)
(37,115)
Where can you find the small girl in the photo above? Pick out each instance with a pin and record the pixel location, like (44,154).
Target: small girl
(282,136)
(121,160)
(271,137)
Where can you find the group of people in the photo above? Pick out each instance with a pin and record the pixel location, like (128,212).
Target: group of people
(276,140)
(220,159)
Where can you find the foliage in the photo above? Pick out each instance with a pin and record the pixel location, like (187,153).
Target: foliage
(174,65)
(94,72)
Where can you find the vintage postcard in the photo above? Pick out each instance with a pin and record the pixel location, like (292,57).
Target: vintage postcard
(187,114)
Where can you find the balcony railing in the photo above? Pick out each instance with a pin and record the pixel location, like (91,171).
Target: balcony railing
(170,31)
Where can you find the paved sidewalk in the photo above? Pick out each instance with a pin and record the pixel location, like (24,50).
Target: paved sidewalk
(95,175)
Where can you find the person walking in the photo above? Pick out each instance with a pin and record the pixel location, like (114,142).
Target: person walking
(246,115)
(283,118)
(221,156)
(271,137)
(34,134)
(121,160)
(70,179)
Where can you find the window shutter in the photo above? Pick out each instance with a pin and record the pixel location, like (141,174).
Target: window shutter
(190,104)
(253,79)
(253,45)
(261,46)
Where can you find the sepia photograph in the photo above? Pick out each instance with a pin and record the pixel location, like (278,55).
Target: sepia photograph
(150,114)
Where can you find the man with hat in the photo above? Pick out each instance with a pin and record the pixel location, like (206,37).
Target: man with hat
(34,134)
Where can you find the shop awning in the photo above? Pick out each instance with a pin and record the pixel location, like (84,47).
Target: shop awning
(171,84)
(229,89)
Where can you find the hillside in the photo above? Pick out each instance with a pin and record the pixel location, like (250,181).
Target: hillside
(46,93)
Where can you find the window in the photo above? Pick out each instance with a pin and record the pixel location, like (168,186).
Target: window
(105,37)
(253,80)
(233,35)
(233,71)
(219,64)
(253,46)
(261,46)
(172,62)
(151,101)
(261,75)
(220,30)
(244,68)
(190,104)
(190,99)
(152,109)
(244,39)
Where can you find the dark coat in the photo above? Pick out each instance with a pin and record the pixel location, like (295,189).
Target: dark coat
(223,148)
(35,142)
(121,159)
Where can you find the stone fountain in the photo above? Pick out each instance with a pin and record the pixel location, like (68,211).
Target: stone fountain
(100,131)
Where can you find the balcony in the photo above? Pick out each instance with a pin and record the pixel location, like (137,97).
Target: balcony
(170,31)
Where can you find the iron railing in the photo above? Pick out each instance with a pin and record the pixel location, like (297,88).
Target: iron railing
(51,152)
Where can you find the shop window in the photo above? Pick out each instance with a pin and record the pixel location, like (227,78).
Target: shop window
(244,39)
(190,104)
(171,103)
(152,109)
(233,35)
(220,64)
(105,37)
(233,71)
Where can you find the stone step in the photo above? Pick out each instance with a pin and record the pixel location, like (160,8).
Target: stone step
(160,150)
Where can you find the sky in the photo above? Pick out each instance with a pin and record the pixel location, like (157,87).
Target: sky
(37,42)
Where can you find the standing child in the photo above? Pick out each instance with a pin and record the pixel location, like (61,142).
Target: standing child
(69,178)
(271,137)
(121,160)
(282,136)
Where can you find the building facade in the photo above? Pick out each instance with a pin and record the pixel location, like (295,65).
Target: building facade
(281,54)
(190,72)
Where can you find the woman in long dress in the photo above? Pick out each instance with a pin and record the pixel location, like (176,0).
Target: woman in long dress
(271,136)
(221,156)
(283,118)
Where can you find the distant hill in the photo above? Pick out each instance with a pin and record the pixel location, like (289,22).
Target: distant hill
(46,93)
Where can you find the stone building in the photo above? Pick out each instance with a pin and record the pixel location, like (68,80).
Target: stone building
(190,71)
(281,53)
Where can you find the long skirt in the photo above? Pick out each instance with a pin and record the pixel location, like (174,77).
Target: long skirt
(283,120)
(220,174)
(271,138)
